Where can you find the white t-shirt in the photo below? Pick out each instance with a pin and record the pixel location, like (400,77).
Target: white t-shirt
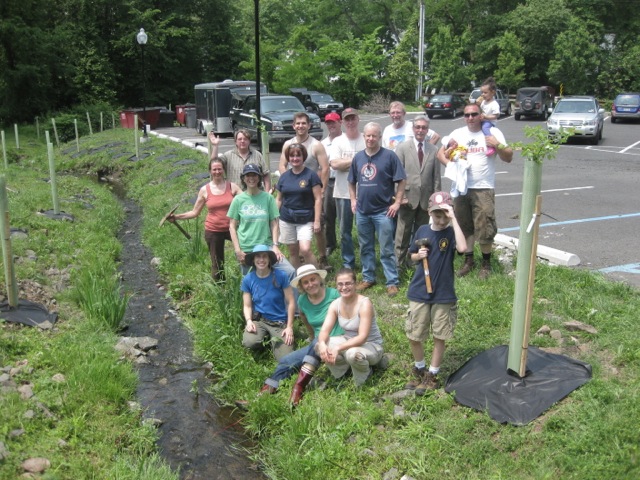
(392,137)
(343,146)
(490,108)
(482,169)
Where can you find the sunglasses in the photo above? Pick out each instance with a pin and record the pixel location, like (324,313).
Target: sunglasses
(474,114)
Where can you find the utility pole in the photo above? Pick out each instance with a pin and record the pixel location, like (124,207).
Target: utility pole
(420,52)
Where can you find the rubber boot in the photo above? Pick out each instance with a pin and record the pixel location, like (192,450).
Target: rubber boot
(304,377)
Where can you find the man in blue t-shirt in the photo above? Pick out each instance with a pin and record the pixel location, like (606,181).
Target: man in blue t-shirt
(372,178)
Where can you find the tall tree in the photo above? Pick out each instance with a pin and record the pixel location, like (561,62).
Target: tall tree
(510,71)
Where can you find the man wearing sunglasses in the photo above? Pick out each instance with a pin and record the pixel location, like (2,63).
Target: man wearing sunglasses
(475,207)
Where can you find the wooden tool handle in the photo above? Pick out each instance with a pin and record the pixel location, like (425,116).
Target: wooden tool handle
(184,232)
(427,277)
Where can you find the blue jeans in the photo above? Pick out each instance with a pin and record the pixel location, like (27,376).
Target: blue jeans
(291,363)
(345,223)
(370,226)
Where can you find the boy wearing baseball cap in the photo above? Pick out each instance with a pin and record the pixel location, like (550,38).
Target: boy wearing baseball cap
(432,297)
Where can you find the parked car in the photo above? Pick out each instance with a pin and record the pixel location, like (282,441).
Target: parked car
(276,113)
(626,105)
(317,102)
(580,113)
(500,97)
(534,102)
(445,104)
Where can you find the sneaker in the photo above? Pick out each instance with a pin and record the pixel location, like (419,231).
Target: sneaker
(429,382)
(417,374)
(392,290)
(469,265)
(489,151)
(362,286)
(485,270)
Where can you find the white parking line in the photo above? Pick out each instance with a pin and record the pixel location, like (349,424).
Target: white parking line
(514,194)
(629,147)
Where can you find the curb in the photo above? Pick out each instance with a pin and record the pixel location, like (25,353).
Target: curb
(557,257)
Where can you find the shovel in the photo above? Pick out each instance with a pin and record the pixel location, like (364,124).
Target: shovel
(184,232)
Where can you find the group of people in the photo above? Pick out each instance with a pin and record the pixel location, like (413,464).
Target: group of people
(389,182)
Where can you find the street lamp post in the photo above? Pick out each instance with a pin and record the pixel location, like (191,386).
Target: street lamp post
(141,37)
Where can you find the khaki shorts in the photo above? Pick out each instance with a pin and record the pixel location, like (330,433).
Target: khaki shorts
(291,233)
(476,214)
(440,318)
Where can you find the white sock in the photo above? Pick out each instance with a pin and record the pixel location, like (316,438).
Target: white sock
(421,364)
(433,369)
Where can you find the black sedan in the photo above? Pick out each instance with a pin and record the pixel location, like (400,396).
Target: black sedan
(445,104)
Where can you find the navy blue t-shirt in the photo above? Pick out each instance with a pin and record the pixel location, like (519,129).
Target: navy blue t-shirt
(376,177)
(440,258)
(297,195)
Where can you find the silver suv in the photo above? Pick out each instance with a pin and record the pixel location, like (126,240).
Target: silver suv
(500,97)
(582,114)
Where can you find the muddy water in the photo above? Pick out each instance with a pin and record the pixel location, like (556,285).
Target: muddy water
(198,437)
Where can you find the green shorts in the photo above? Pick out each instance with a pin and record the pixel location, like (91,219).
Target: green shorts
(439,318)
(476,214)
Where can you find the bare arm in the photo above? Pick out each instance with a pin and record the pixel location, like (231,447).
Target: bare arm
(197,207)
(247,310)
(323,337)
(352,195)
(317,208)
(287,333)
(214,144)
(233,232)
(308,326)
(435,138)
(282,164)
(275,232)
(342,164)
(461,241)
(392,211)
(323,162)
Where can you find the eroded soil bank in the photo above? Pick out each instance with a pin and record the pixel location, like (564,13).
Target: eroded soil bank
(197,436)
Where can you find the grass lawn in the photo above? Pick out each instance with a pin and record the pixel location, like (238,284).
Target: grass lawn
(338,431)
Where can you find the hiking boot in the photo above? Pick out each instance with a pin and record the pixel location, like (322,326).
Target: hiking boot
(392,290)
(418,375)
(362,286)
(429,382)
(324,264)
(469,264)
(485,269)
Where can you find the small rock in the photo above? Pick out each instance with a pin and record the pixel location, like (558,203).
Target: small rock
(146,343)
(141,360)
(398,411)
(16,433)
(557,334)
(62,443)
(46,325)
(36,464)
(26,391)
(155,261)
(406,477)
(29,414)
(150,307)
(575,340)
(544,330)
(59,378)
(134,406)
(163,381)
(392,474)
(574,325)
(4,378)
(4,453)
(154,422)
(368,452)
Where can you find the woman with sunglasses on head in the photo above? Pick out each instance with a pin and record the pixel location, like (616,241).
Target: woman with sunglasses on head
(300,203)
(360,347)
(217,195)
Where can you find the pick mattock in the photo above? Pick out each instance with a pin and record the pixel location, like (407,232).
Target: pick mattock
(166,217)
(426,243)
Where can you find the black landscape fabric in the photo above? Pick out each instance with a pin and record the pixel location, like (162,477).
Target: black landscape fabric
(27,313)
(483,383)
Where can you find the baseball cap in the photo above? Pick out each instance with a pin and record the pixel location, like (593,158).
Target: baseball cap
(347,112)
(438,199)
(332,117)
(251,168)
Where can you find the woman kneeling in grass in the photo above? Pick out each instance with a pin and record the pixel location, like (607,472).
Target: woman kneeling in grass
(361,345)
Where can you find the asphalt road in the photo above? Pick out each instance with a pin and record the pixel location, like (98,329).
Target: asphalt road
(590,205)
